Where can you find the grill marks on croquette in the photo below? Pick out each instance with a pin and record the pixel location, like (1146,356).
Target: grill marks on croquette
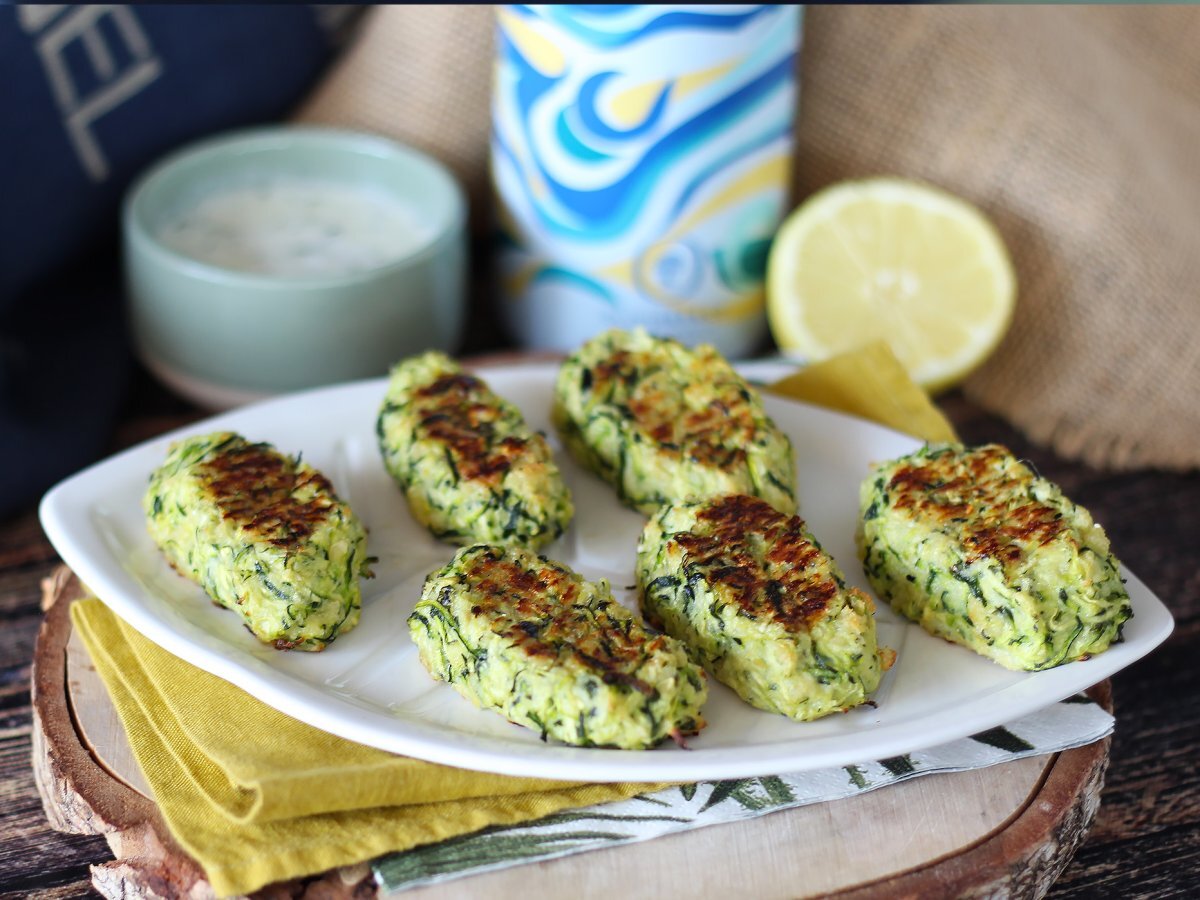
(762,558)
(984,497)
(266,495)
(538,610)
(459,411)
(713,433)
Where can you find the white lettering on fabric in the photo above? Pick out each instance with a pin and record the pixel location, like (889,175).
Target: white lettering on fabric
(121,60)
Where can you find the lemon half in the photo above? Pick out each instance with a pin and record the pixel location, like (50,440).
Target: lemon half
(893,260)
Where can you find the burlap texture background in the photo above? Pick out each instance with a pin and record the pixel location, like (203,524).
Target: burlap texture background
(420,74)
(1076,129)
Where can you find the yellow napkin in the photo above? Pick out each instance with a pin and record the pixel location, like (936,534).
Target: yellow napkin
(872,384)
(214,756)
(255,797)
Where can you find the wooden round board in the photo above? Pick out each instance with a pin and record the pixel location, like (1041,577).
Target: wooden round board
(1004,831)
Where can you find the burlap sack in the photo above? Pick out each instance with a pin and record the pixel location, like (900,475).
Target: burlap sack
(1076,129)
(422,75)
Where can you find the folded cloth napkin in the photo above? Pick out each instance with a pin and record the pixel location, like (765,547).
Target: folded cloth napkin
(257,797)
(872,384)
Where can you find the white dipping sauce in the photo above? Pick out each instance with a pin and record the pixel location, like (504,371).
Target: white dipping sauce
(295,226)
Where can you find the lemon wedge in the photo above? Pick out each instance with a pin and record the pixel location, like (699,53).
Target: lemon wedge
(892,260)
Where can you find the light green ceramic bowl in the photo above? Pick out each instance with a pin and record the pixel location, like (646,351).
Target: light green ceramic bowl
(222,337)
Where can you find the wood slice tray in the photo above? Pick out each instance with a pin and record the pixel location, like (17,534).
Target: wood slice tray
(1004,831)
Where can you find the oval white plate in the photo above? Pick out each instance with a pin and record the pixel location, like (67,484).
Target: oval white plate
(369,686)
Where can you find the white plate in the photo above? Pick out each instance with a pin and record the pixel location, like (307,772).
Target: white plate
(369,687)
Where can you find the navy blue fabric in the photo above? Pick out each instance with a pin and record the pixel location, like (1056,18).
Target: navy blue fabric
(91,96)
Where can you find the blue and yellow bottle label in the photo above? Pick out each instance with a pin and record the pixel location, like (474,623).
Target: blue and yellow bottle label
(641,159)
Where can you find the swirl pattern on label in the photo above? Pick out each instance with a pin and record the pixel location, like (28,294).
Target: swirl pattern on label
(640,155)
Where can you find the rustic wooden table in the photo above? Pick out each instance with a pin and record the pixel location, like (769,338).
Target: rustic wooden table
(1146,838)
